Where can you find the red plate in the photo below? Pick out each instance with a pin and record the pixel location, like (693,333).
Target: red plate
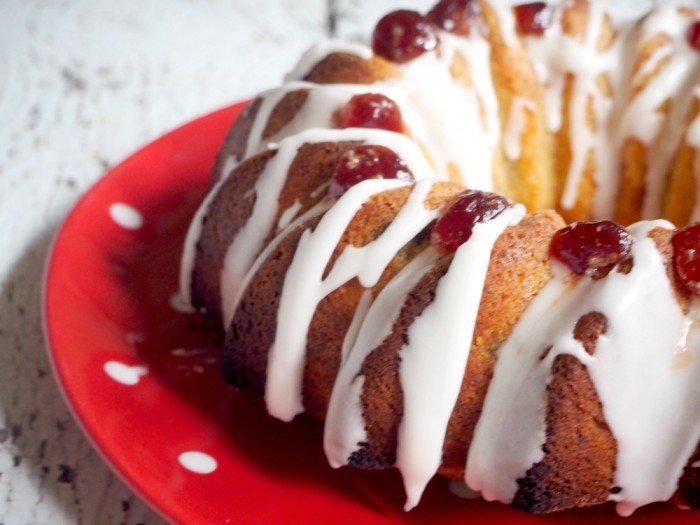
(108,289)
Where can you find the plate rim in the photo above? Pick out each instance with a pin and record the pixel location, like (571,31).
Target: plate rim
(233,110)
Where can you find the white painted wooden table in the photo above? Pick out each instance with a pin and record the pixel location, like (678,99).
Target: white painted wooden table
(84,83)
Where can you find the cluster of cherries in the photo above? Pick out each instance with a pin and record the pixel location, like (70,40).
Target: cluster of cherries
(591,248)
(594,248)
(692,35)
(369,110)
(403,35)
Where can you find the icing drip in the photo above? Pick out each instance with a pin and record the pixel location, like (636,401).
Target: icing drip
(464,131)
(288,215)
(673,82)
(517,120)
(344,430)
(433,362)
(304,286)
(558,58)
(430,380)
(633,357)
(506,22)
(250,239)
(232,299)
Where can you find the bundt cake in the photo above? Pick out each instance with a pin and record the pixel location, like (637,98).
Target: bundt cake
(378,245)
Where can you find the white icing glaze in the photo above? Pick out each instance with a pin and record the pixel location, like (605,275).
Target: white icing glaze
(304,285)
(459,133)
(624,114)
(126,216)
(662,133)
(506,22)
(434,361)
(633,357)
(198,462)
(288,215)
(559,57)
(232,300)
(344,430)
(449,118)
(693,134)
(517,120)
(189,250)
(250,239)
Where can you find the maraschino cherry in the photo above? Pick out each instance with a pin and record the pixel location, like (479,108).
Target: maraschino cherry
(372,110)
(454,16)
(403,35)
(692,35)
(591,248)
(456,224)
(367,162)
(533,18)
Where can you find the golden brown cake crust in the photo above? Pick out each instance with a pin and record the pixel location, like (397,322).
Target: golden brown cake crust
(311,168)
(580,451)
(382,399)
(253,328)
(227,213)
(520,255)
(346,68)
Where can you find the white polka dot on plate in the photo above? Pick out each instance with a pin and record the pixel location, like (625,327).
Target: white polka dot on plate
(198,462)
(126,216)
(124,374)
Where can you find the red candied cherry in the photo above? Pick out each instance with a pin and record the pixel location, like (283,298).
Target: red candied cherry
(692,35)
(591,248)
(367,162)
(456,224)
(454,15)
(372,110)
(403,35)
(534,18)
(686,256)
